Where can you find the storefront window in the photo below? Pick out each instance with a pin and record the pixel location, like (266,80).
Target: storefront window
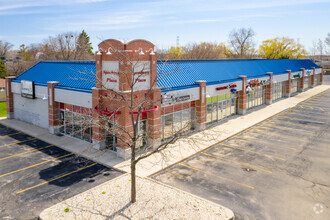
(294,85)
(168,129)
(110,136)
(256,96)
(178,118)
(220,107)
(209,112)
(278,90)
(306,82)
(317,78)
(215,111)
(73,122)
(177,122)
(186,119)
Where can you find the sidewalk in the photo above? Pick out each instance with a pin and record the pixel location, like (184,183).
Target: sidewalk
(175,152)
(111,200)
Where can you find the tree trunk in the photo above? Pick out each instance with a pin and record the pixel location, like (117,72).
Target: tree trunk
(133,179)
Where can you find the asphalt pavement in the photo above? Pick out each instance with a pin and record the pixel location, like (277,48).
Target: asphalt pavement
(277,169)
(35,175)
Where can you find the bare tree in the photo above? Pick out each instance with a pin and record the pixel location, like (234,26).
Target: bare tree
(66,46)
(320,48)
(327,43)
(4,48)
(128,99)
(241,41)
(313,50)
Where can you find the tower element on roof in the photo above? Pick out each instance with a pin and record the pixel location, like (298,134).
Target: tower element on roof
(118,63)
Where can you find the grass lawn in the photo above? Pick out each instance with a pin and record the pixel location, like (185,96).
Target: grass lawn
(3,109)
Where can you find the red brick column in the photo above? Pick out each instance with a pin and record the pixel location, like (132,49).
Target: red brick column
(9,98)
(302,81)
(201,106)
(98,134)
(53,109)
(98,69)
(288,85)
(269,89)
(321,77)
(154,119)
(313,78)
(124,128)
(242,97)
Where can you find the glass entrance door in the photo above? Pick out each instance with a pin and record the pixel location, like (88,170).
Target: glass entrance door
(110,137)
(142,133)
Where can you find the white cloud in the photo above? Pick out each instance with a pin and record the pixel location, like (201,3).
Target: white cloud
(13,6)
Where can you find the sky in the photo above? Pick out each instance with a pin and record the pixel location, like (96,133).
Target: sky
(161,21)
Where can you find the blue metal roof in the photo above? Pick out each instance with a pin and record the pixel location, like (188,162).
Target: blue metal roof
(178,73)
(171,74)
(73,74)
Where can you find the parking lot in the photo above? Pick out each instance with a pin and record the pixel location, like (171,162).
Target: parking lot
(277,169)
(35,175)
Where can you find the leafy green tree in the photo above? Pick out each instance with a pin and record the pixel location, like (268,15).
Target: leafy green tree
(23,52)
(84,41)
(281,48)
(2,69)
(176,52)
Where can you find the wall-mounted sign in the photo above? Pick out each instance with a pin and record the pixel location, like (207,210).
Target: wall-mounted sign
(141,76)
(230,86)
(167,99)
(296,75)
(27,89)
(253,82)
(308,72)
(110,75)
(265,82)
(182,98)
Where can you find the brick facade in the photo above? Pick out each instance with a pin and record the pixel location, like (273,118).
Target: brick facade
(288,84)
(53,109)
(111,97)
(321,77)
(201,106)
(242,97)
(269,89)
(9,98)
(302,81)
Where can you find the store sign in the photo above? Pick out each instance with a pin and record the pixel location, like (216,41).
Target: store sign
(317,71)
(141,76)
(297,75)
(265,82)
(167,99)
(27,89)
(230,86)
(308,72)
(253,82)
(182,98)
(110,75)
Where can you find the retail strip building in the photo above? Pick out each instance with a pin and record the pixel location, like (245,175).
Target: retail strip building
(187,95)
